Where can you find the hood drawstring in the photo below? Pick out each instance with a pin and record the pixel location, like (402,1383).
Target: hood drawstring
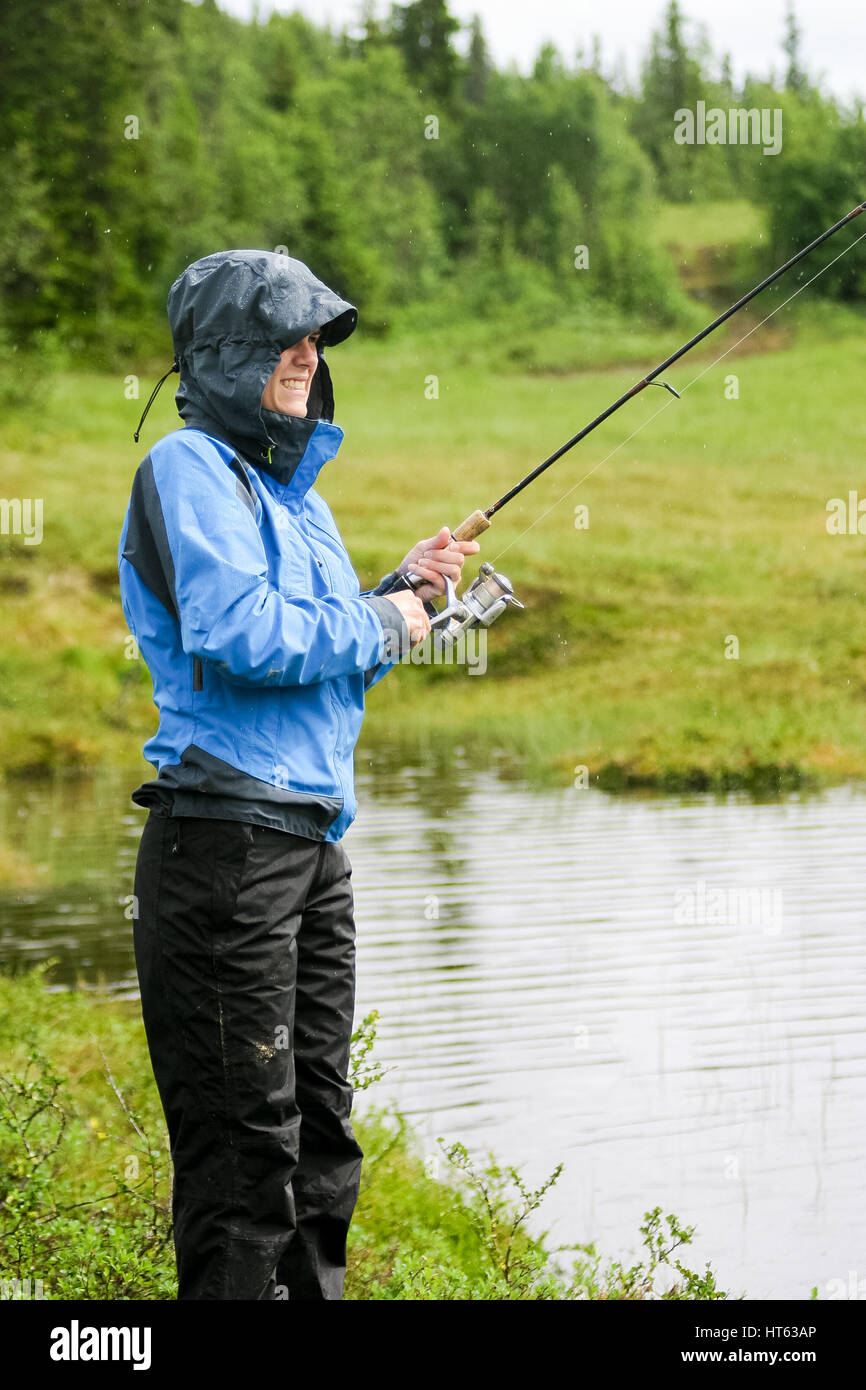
(175,367)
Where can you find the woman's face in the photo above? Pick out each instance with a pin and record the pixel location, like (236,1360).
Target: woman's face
(289,385)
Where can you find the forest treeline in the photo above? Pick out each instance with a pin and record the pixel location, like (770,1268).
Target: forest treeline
(137,135)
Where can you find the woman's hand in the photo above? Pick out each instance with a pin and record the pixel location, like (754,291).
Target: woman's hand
(412,609)
(435,557)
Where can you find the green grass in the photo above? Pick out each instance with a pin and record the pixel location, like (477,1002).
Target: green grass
(85,1185)
(689,226)
(709,522)
(714,246)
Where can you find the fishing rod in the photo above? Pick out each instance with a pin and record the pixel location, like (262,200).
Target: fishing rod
(491,593)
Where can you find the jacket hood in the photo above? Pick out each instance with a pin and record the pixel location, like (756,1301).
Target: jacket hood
(232,314)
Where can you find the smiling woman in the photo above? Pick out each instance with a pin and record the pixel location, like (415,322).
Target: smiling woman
(238,587)
(288,387)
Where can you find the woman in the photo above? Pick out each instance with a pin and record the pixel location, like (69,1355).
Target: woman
(241,595)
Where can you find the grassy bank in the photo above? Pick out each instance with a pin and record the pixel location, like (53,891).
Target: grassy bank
(85,1184)
(709,525)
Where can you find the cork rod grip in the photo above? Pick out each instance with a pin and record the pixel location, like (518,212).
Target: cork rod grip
(471,527)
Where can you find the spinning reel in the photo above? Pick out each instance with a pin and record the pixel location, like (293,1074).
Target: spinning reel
(481,604)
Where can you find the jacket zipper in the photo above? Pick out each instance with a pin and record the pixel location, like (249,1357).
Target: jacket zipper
(304,523)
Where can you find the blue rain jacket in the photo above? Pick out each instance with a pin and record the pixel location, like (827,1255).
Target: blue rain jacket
(234,579)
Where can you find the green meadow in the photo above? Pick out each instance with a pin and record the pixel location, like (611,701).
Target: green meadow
(696,625)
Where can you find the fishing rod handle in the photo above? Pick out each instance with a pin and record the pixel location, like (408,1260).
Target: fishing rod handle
(474,524)
(471,527)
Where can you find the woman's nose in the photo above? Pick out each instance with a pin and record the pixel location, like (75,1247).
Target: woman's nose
(303,354)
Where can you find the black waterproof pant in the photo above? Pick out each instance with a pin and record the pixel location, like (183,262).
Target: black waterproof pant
(245,948)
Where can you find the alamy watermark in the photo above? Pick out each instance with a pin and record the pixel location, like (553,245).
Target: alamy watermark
(21,1290)
(847,517)
(734,905)
(737,126)
(469,650)
(77,1343)
(854,1287)
(22,516)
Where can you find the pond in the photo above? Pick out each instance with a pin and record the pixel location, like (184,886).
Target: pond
(664,993)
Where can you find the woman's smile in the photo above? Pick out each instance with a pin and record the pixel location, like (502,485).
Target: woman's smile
(289,384)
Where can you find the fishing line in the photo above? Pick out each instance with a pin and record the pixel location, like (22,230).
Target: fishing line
(665,404)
